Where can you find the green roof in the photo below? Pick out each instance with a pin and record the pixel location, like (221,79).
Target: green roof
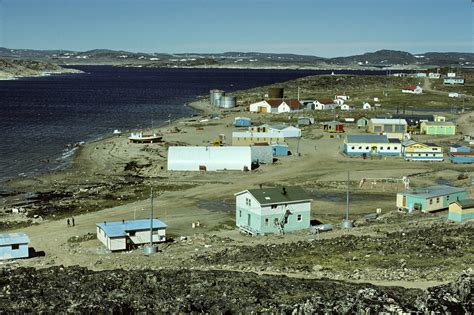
(276,195)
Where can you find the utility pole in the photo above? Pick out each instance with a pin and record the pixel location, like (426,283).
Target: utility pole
(150,248)
(346,224)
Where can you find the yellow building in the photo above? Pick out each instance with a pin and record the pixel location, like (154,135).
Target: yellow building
(461,210)
(393,128)
(415,151)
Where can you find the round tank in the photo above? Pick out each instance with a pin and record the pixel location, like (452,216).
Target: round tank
(215,95)
(275,93)
(228,102)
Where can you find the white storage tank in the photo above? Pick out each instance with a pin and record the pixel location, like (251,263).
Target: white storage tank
(215,95)
(227,101)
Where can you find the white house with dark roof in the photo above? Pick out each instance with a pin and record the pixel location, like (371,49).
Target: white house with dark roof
(272,210)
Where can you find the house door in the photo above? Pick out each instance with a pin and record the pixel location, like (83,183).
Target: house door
(262,109)
(404,202)
(248,219)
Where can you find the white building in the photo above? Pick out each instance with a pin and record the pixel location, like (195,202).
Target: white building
(347,107)
(275,106)
(324,104)
(124,235)
(433,75)
(453,94)
(342,97)
(451,74)
(367,106)
(412,89)
(285,131)
(195,158)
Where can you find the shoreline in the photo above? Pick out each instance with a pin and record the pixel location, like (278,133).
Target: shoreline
(41,74)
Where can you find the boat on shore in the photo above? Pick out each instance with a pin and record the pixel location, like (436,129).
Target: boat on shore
(140,137)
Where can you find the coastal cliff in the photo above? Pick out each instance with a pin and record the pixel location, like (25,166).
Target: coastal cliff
(16,68)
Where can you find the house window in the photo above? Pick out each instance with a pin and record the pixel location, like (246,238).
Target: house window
(366,148)
(431,201)
(131,233)
(352,148)
(15,246)
(360,148)
(273,206)
(299,218)
(388,148)
(240,213)
(437,200)
(266,221)
(419,154)
(447,198)
(426,154)
(395,148)
(381,148)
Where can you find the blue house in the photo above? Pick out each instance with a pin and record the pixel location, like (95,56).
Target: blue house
(123,235)
(13,246)
(280,148)
(242,122)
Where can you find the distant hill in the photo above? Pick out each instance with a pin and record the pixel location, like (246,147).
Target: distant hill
(381,59)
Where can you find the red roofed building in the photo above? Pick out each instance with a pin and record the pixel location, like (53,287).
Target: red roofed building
(412,89)
(276,106)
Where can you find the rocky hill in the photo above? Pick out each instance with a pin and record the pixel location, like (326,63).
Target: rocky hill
(378,59)
(14,68)
(79,290)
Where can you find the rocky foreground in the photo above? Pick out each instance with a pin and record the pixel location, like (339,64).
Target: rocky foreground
(77,289)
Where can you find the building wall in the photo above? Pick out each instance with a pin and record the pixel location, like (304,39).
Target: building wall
(458,214)
(116,243)
(386,128)
(212,158)
(262,219)
(283,108)
(462,159)
(419,152)
(262,153)
(438,130)
(250,140)
(287,132)
(262,106)
(384,149)
(143,237)
(8,251)
(280,150)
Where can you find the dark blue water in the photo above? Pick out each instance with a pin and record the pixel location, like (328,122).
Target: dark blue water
(42,118)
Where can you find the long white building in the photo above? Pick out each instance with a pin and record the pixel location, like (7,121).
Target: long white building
(202,158)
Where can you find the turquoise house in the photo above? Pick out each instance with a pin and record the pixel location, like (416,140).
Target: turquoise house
(14,246)
(272,210)
(453,80)
(430,198)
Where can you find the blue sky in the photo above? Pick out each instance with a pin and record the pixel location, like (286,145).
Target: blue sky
(326,28)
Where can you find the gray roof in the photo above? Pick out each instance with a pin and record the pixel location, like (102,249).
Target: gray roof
(367,139)
(435,191)
(276,195)
(119,228)
(466,203)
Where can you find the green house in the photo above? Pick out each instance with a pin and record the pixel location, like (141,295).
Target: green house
(445,128)
(272,210)
(430,198)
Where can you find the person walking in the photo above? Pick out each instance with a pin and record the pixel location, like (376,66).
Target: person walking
(73,223)
(68,223)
